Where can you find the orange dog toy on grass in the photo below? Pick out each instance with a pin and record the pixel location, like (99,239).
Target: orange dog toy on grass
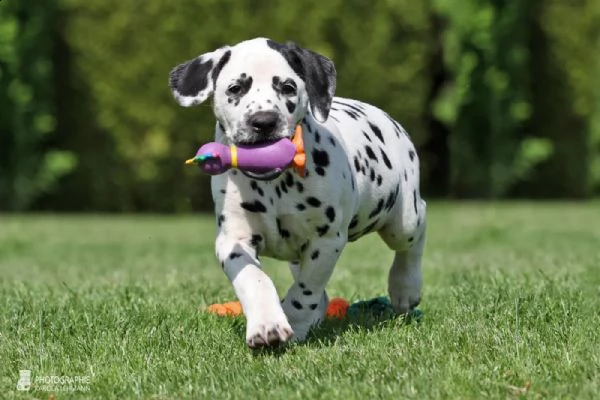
(338,308)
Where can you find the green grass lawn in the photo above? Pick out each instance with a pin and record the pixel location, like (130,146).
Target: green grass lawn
(511,302)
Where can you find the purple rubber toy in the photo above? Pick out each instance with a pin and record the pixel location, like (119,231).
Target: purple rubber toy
(216,158)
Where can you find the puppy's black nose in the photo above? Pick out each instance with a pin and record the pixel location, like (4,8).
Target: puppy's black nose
(263,122)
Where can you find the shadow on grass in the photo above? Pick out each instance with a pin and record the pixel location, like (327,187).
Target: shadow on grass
(331,329)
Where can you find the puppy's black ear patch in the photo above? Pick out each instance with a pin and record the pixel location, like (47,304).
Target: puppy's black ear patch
(194,81)
(318,73)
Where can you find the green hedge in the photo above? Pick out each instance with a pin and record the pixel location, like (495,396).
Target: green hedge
(30,165)
(123,51)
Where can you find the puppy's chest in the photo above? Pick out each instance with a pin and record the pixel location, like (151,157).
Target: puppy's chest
(298,209)
(286,212)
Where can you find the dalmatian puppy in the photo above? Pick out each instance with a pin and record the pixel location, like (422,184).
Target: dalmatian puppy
(362,176)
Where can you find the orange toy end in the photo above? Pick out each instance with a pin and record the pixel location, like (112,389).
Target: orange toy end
(299,161)
(230,309)
(337,308)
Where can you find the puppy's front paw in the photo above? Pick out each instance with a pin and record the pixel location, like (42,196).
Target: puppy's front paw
(268,331)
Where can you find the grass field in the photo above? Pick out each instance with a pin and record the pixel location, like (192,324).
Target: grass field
(511,303)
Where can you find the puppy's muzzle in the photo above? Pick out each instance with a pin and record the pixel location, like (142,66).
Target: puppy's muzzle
(263,124)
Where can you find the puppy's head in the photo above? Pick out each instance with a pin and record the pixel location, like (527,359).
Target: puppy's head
(261,88)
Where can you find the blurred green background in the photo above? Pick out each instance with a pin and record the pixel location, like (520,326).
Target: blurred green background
(501,97)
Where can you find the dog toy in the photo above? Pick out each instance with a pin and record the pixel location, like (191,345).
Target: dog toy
(338,308)
(216,158)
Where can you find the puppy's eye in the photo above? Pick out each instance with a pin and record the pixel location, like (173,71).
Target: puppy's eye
(288,89)
(234,89)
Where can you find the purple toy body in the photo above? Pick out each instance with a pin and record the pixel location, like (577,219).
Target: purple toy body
(217,158)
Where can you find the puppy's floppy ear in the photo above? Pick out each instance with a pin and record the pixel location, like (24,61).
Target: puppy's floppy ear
(318,73)
(194,81)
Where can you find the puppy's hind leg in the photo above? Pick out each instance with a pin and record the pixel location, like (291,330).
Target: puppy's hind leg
(405,277)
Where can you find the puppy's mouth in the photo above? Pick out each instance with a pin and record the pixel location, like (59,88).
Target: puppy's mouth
(265,176)
(249,143)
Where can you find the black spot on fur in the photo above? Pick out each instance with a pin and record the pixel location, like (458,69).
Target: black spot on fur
(411,154)
(223,191)
(297,304)
(366,135)
(379,179)
(314,255)
(391,200)
(370,153)
(376,131)
(278,191)
(410,239)
(302,285)
(284,187)
(415,201)
(322,230)
(254,186)
(320,158)
(377,209)
(354,108)
(256,240)
(307,292)
(405,176)
(313,306)
(220,220)
(369,228)
(372,175)
(320,171)
(300,207)
(255,206)
(284,233)
(356,164)
(353,222)
(332,141)
(397,128)
(330,213)
(352,114)
(291,106)
(234,255)
(313,201)
(386,160)
(300,187)
(289,179)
